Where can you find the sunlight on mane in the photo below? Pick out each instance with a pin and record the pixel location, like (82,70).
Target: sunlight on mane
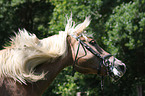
(27,51)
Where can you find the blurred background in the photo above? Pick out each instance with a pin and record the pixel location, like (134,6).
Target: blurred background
(117,25)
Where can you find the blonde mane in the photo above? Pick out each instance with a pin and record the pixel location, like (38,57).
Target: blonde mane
(27,51)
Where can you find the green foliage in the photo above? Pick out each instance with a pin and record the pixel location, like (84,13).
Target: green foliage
(124,37)
(68,88)
(117,25)
(33,15)
(79,8)
(125,29)
(120,29)
(66,85)
(126,25)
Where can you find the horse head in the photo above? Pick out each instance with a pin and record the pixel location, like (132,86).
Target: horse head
(90,58)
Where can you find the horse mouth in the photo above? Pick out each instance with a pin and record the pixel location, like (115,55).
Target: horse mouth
(117,72)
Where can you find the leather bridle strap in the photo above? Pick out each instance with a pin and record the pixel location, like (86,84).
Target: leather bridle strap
(97,55)
(103,62)
(76,59)
(90,49)
(73,72)
(93,52)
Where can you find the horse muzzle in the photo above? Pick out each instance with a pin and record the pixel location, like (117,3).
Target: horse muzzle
(116,72)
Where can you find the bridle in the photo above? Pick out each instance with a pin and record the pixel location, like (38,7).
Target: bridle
(104,60)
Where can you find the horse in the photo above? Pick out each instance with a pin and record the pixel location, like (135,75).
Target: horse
(29,65)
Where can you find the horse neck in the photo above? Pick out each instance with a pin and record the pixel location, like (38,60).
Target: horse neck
(52,69)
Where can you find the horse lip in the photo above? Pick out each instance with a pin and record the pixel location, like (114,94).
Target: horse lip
(116,73)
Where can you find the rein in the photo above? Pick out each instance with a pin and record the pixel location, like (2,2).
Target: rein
(103,60)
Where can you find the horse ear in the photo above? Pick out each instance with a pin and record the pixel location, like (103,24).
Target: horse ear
(79,28)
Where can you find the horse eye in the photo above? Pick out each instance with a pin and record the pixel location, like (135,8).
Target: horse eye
(92,42)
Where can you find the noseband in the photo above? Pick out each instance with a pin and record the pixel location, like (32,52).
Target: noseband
(104,60)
